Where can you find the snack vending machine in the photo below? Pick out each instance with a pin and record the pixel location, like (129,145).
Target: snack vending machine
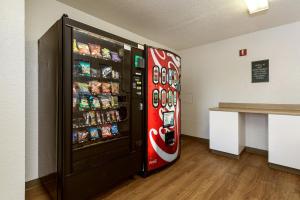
(88,140)
(162,99)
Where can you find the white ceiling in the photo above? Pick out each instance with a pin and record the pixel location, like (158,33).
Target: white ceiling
(181,24)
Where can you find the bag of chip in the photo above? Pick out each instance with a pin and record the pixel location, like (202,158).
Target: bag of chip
(83,136)
(114,101)
(115,56)
(115,88)
(95,50)
(105,101)
(85,68)
(83,48)
(81,122)
(87,121)
(82,88)
(114,129)
(108,119)
(98,117)
(115,74)
(106,53)
(93,119)
(106,71)
(106,87)
(95,73)
(84,104)
(113,116)
(95,103)
(94,135)
(106,131)
(95,87)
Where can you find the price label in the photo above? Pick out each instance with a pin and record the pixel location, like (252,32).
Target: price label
(127,47)
(140,46)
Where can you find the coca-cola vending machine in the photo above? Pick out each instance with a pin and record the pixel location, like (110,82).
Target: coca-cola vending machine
(162,106)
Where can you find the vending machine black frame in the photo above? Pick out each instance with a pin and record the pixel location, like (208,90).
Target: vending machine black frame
(55,122)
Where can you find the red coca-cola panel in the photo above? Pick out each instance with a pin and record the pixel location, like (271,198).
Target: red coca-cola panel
(163,114)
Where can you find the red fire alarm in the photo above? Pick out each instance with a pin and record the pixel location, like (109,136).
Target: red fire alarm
(243,52)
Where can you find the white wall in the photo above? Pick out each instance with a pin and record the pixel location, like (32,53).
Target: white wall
(40,15)
(12,101)
(215,73)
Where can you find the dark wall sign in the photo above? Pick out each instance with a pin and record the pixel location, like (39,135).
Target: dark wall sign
(260,71)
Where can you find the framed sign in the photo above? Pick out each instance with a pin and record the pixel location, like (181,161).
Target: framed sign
(260,71)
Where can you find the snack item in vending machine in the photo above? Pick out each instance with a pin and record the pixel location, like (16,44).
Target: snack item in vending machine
(114,129)
(106,87)
(106,53)
(115,74)
(113,116)
(98,117)
(94,135)
(95,87)
(87,121)
(92,116)
(81,122)
(83,48)
(115,56)
(114,102)
(74,137)
(83,69)
(108,118)
(121,52)
(106,72)
(115,88)
(83,136)
(106,131)
(95,103)
(95,73)
(75,48)
(84,104)
(83,88)
(95,50)
(105,101)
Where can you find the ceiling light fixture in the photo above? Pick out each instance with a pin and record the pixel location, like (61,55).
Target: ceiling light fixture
(255,6)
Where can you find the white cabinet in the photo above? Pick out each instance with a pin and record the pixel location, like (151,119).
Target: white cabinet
(226,132)
(284,140)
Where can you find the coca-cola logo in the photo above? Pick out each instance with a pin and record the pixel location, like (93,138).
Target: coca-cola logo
(151,162)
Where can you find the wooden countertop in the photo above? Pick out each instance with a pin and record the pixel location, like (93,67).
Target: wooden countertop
(279,109)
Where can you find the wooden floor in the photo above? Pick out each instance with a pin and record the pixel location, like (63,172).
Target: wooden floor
(202,175)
